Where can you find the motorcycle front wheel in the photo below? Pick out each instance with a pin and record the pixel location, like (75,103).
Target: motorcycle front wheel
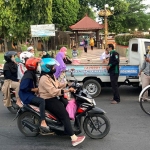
(96,126)
(32,119)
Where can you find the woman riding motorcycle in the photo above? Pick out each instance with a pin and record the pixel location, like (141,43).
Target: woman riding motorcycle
(28,89)
(10,74)
(51,89)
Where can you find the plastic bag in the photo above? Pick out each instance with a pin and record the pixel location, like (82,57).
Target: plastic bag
(71,108)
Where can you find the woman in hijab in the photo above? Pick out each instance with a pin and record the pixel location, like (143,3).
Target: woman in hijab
(60,70)
(65,59)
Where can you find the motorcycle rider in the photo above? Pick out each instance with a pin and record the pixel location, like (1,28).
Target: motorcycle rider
(50,89)
(28,89)
(10,75)
(21,66)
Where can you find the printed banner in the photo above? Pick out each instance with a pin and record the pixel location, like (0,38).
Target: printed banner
(102,71)
(43,30)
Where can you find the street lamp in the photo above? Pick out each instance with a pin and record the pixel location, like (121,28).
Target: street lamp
(105,13)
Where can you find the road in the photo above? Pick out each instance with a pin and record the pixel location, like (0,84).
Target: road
(130,128)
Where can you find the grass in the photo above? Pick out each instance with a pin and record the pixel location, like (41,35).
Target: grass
(69,53)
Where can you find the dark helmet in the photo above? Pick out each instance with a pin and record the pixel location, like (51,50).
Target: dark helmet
(8,55)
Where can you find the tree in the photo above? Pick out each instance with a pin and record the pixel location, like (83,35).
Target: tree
(84,9)
(17,16)
(65,13)
(127,14)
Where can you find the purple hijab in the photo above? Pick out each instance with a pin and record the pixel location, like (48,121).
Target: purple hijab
(62,66)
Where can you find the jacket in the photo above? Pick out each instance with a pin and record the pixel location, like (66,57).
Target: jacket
(114,62)
(48,88)
(6,92)
(10,71)
(27,83)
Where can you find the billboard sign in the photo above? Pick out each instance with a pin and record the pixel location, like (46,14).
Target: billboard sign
(44,30)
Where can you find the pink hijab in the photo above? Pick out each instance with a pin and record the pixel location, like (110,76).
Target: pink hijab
(63,49)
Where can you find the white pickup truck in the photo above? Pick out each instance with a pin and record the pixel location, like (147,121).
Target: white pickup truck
(94,76)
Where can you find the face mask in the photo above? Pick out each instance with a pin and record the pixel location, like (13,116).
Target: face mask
(38,70)
(13,59)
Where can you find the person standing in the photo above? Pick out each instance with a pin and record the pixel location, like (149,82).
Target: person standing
(85,45)
(105,56)
(113,70)
(92,43)
(145,73)
(74,52)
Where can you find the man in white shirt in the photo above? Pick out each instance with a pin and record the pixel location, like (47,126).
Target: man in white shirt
(105,56)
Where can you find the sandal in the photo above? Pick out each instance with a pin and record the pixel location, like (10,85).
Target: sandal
(45,129)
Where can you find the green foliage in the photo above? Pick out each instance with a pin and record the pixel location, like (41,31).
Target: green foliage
(65,13)
(124,39)
(84,9)
(17,16)
(128,14)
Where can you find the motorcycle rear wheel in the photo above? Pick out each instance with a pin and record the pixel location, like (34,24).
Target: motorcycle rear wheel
(96,126)
(30,117)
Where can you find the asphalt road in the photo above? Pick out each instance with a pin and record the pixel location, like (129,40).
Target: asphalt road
(130,128)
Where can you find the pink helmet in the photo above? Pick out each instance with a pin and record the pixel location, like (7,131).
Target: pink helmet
(63,49)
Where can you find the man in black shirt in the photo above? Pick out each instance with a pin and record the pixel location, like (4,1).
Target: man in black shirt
(113,70)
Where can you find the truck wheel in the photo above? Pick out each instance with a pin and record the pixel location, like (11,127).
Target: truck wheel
(93,87)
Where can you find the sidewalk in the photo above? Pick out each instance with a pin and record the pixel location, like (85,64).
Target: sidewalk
(93,55)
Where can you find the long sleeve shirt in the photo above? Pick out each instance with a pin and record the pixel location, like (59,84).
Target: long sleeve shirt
(48,88)
(146,68)
(114,62)
(25,93)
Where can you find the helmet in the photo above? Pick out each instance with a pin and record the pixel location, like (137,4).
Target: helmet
(32,63)
(24,56)
(8,55)
(48,63)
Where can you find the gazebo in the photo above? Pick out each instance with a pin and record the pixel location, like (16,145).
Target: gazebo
(87,24)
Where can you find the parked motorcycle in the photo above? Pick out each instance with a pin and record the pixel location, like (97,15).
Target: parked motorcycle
(95,123)
(14,108)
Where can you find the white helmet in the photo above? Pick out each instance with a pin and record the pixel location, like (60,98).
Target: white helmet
(24,56)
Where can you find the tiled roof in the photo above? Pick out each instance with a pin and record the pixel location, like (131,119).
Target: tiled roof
(87,23)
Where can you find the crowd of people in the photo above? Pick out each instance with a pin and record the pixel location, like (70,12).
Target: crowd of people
(20,74)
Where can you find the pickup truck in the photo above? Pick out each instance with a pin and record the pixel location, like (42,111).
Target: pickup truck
(94,76)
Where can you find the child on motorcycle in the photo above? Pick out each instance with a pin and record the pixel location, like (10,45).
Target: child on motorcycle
(51,89)
(28,89)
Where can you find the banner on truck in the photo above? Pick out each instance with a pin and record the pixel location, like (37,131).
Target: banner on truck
(44,30)
(102,71)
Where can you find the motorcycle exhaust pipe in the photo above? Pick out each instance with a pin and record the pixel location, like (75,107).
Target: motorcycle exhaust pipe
(30,126)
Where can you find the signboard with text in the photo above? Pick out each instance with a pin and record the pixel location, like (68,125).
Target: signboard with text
(102,71)
(44,30)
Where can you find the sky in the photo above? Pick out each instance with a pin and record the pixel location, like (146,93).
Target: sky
(147,2)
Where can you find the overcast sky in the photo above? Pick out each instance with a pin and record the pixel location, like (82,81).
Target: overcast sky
(147,2)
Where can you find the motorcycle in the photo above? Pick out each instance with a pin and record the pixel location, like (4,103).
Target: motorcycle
(88,117)
(14,108)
